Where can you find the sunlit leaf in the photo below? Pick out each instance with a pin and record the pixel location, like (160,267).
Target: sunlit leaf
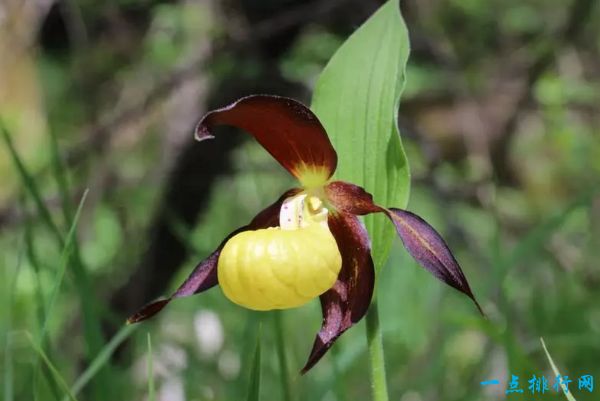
(356,98)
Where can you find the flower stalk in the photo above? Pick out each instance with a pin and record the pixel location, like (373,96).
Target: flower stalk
(376,355)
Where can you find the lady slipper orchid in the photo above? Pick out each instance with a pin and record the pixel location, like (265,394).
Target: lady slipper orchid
(310,242)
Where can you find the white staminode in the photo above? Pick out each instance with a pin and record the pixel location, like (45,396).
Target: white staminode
(300,211)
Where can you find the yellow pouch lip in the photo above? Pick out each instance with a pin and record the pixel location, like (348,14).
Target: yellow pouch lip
(282,267)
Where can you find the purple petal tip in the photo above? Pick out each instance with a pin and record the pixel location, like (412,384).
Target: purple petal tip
(148,311)
(202,133)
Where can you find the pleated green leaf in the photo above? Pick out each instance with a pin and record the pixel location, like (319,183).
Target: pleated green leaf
(356,98)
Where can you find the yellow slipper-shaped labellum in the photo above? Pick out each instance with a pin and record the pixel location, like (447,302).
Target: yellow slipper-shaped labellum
(282,267)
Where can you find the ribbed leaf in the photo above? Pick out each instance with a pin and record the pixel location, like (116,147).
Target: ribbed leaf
(356,98)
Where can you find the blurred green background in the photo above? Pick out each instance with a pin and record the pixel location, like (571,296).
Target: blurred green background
(501,124)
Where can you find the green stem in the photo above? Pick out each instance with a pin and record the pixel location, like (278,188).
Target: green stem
(375,345)
(280,344)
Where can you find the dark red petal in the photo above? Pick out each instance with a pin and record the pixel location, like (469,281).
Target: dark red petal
(287,129)
(350,198)
(204,276)
(347,302)
(419,238)
(429,249)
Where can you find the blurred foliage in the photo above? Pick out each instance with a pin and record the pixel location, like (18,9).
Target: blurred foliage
(529,246)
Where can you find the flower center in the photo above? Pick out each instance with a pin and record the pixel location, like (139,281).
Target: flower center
(312,177)
(302,210)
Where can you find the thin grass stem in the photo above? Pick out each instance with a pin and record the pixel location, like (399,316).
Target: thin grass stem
(151,392)
(281,356)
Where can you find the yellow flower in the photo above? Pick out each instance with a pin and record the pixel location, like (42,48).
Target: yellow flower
(309,243)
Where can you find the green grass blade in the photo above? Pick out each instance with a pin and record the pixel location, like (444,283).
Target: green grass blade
(281,356)
(36,266)
(60,175)
(65,258)
(30,185)
(102,358)
(91,321)
(254,384)
(238,390)
(64,262)
(57,376)
(151,396)
(557,373)
(92,329)
(10,302)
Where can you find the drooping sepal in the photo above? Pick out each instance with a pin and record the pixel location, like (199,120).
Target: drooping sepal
(348,300)
(428,248)
(420,239)
(205,276)
(286,128)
